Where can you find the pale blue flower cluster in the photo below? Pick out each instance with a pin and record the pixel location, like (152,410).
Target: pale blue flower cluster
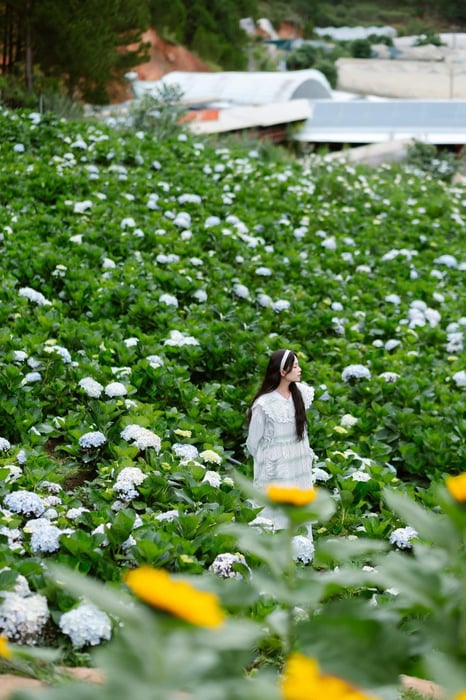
(186,452)
(92,439)
(25,502)
(86,625)
(402,537)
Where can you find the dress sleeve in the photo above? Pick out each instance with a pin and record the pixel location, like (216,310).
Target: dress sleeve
(256,429)
(307,393)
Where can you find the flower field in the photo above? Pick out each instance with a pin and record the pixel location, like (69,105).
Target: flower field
(144,284)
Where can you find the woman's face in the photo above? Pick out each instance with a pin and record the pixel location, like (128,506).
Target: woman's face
(294,375)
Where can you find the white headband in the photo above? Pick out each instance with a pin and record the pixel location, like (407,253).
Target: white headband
(284,359)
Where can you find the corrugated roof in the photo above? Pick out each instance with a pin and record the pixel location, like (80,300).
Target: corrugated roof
(362,121)
(245,88)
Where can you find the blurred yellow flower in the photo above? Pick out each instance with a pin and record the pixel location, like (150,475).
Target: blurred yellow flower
(291,495)
(460,696)
(155,586)
(5,650)
(183,433)
(302,680)
(457,486)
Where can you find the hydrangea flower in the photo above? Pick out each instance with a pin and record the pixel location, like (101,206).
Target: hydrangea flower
(34,296)
(460,378)
(91,387)
(86,625)
(142,438)
(223,565)
(355,372)
(402,537)
(281,305)
(168,516)
(187,452)
(241,291)
(303,549)
(155,361)
(169,300)
(115,389)
(178,339)
(59,350)
(22,618)
(127,479)
(46,539)
(5,444)
(210,456)
(25,502)
(92,439)
(212,478)
(347,421)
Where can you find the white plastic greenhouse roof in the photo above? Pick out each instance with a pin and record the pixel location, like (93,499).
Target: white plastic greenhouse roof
(363,121)
(242,88)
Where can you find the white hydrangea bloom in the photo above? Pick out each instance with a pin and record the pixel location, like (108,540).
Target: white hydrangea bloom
(34,296)
(168,516)
(86,625)
(223,565)
(14,474)
(169,300)
(115,389)
(241,291)
(186,452)
(281,305)
(59,350)
(25,502)
(178,339)
(82,207)
(402,536)
(320,474)
(22,618)
(389,377)
(212,478)
(127,479)
(391,344)
(46,539)
(264,523)
(355,372)
(347,421)
(200,295)
(5,444)
(360,475)
(142,438)
(303,549)
(155,361)
(210,456)
(131,342)
(460,378)
(92,439)
(92,388)
(31,378)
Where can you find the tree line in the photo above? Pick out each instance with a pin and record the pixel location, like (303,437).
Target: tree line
(80,46)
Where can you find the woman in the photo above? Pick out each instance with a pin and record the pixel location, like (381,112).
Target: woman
(277,429)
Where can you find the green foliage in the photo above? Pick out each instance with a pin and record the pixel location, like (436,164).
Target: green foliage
(159,113)
(429,39)
(361,48)
(428,158)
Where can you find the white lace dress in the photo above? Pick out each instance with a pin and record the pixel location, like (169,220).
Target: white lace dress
(279,457)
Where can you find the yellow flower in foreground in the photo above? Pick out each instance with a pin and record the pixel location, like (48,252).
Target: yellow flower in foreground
(302,680)
(291,495)
(457,486)
(460,696)
(155,586)
(5,650)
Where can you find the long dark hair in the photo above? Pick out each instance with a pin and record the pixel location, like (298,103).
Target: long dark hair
(272,380)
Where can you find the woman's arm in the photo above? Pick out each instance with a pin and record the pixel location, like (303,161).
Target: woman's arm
(256,429)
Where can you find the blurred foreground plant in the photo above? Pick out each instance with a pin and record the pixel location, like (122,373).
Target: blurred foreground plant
(330,630)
